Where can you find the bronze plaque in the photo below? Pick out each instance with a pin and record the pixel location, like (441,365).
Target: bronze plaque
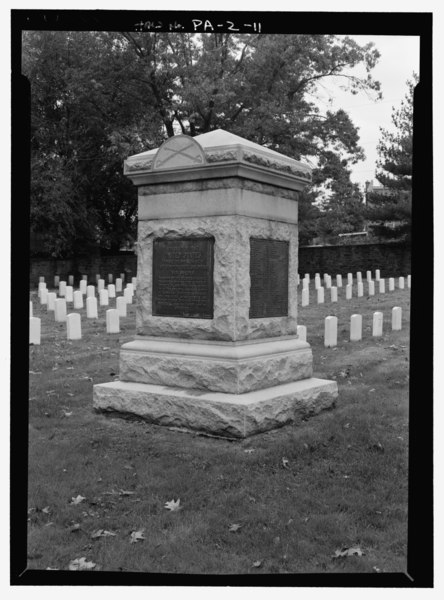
(183,278)
(269,278)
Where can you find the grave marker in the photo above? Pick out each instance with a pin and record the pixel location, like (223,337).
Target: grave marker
(30,309)
(401,283)
(112,321)
(328,282)
(51,298)
(84,277)
(382,286)
(69,293)
(73,326)
(111,290)
(118,285)
(359,277)
(97,277)
(377,324)
(60,310)
(396,318)
(338,281)
(128,296)
(348,292)
(91,307)
(110,278)
(320,295)
(43,296)
(129,286)
(334,294)
(371,288)
(91,291)
(305,297)
(78,299)
(34,330)
(122,277)
(377,274)
(41,279)
(103,298)
(100,285)
(56,281)
(369,275)
(121,306)
(409,281)
(331,332)
(62,288)
(302,333)
(391,284)
(317,281)
(360,289)
(82,286)
(350,278)
(71,280)
(355,328)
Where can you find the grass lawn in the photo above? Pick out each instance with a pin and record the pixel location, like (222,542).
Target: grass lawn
(298,493)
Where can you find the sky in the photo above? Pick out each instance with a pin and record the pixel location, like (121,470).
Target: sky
(399,59)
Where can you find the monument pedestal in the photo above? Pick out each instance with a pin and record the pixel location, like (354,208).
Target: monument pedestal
(218,413)
(217,348)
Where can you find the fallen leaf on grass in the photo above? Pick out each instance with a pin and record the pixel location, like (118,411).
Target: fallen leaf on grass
(45,510)
(81,564)
(249,450)
(127,493)
(102,533)
(234,527)
(51,569)
(75,527)
(67,414)
(285,462)
(77,500)
(355,551)
(257,564)
(137,536)
(35,372)
(376,570)
(173,505)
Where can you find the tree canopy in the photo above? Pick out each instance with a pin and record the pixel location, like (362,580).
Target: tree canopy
(98,97)
(390,214)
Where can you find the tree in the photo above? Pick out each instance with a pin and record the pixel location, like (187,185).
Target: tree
(390,214)
(99,96)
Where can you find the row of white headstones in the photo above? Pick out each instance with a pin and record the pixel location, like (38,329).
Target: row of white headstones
(320,290)
(331,327)
(73,320)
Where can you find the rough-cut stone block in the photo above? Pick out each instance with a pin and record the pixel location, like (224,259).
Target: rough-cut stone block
(233,368)
(34,330)
(216,413)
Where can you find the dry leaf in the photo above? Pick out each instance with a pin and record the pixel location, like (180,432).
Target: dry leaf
(173,505)
(102,533)
(355,551)
(257,563)
(51,569)
(77,500)
(249,450)
(35,372)
(81,564)
(75,527)
(136,536)
(126,493)
(234,527)
(45,510)
(285,462)
(67,414)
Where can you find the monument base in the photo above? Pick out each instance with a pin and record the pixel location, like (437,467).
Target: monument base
(218,413)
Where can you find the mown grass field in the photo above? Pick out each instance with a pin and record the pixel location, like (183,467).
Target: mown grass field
(299,494)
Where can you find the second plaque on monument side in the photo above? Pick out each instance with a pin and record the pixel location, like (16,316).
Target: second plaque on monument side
(183,277)
(269,278)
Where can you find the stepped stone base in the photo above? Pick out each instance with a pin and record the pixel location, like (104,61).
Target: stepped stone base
(218,413)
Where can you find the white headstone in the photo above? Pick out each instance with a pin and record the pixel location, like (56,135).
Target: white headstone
(401,283)
(382,286)
(377,274)
(60,309)
(350,278)
(71,280)
(355,328)
(409,281)
(62,288)
(42,286)
(331,332)
(371,288)
(122,276)
(103,298)
(305,297)
(34,330)
(128,296)
(121,306)
(111,290)
(69,297)
(320,295)
(91,291)
(338,280)
(97,277)
(305,284)
(84,277)
(359,277)
(43,296)
(360,289)
(317,281)
(307,277)
(334,293)
(134,281)
(73,326)
(298,280)
(78,299)
(112,321)
(396,318)
(118,284)
(130,286)
(302,333)
(110,277)
(52,297)
(328,282)
(391,284)
(30,309)
(41,279)
(348,291)
(369,275)
(100,285)
(82,286)
(377,324)
(91,307)
(56,281)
